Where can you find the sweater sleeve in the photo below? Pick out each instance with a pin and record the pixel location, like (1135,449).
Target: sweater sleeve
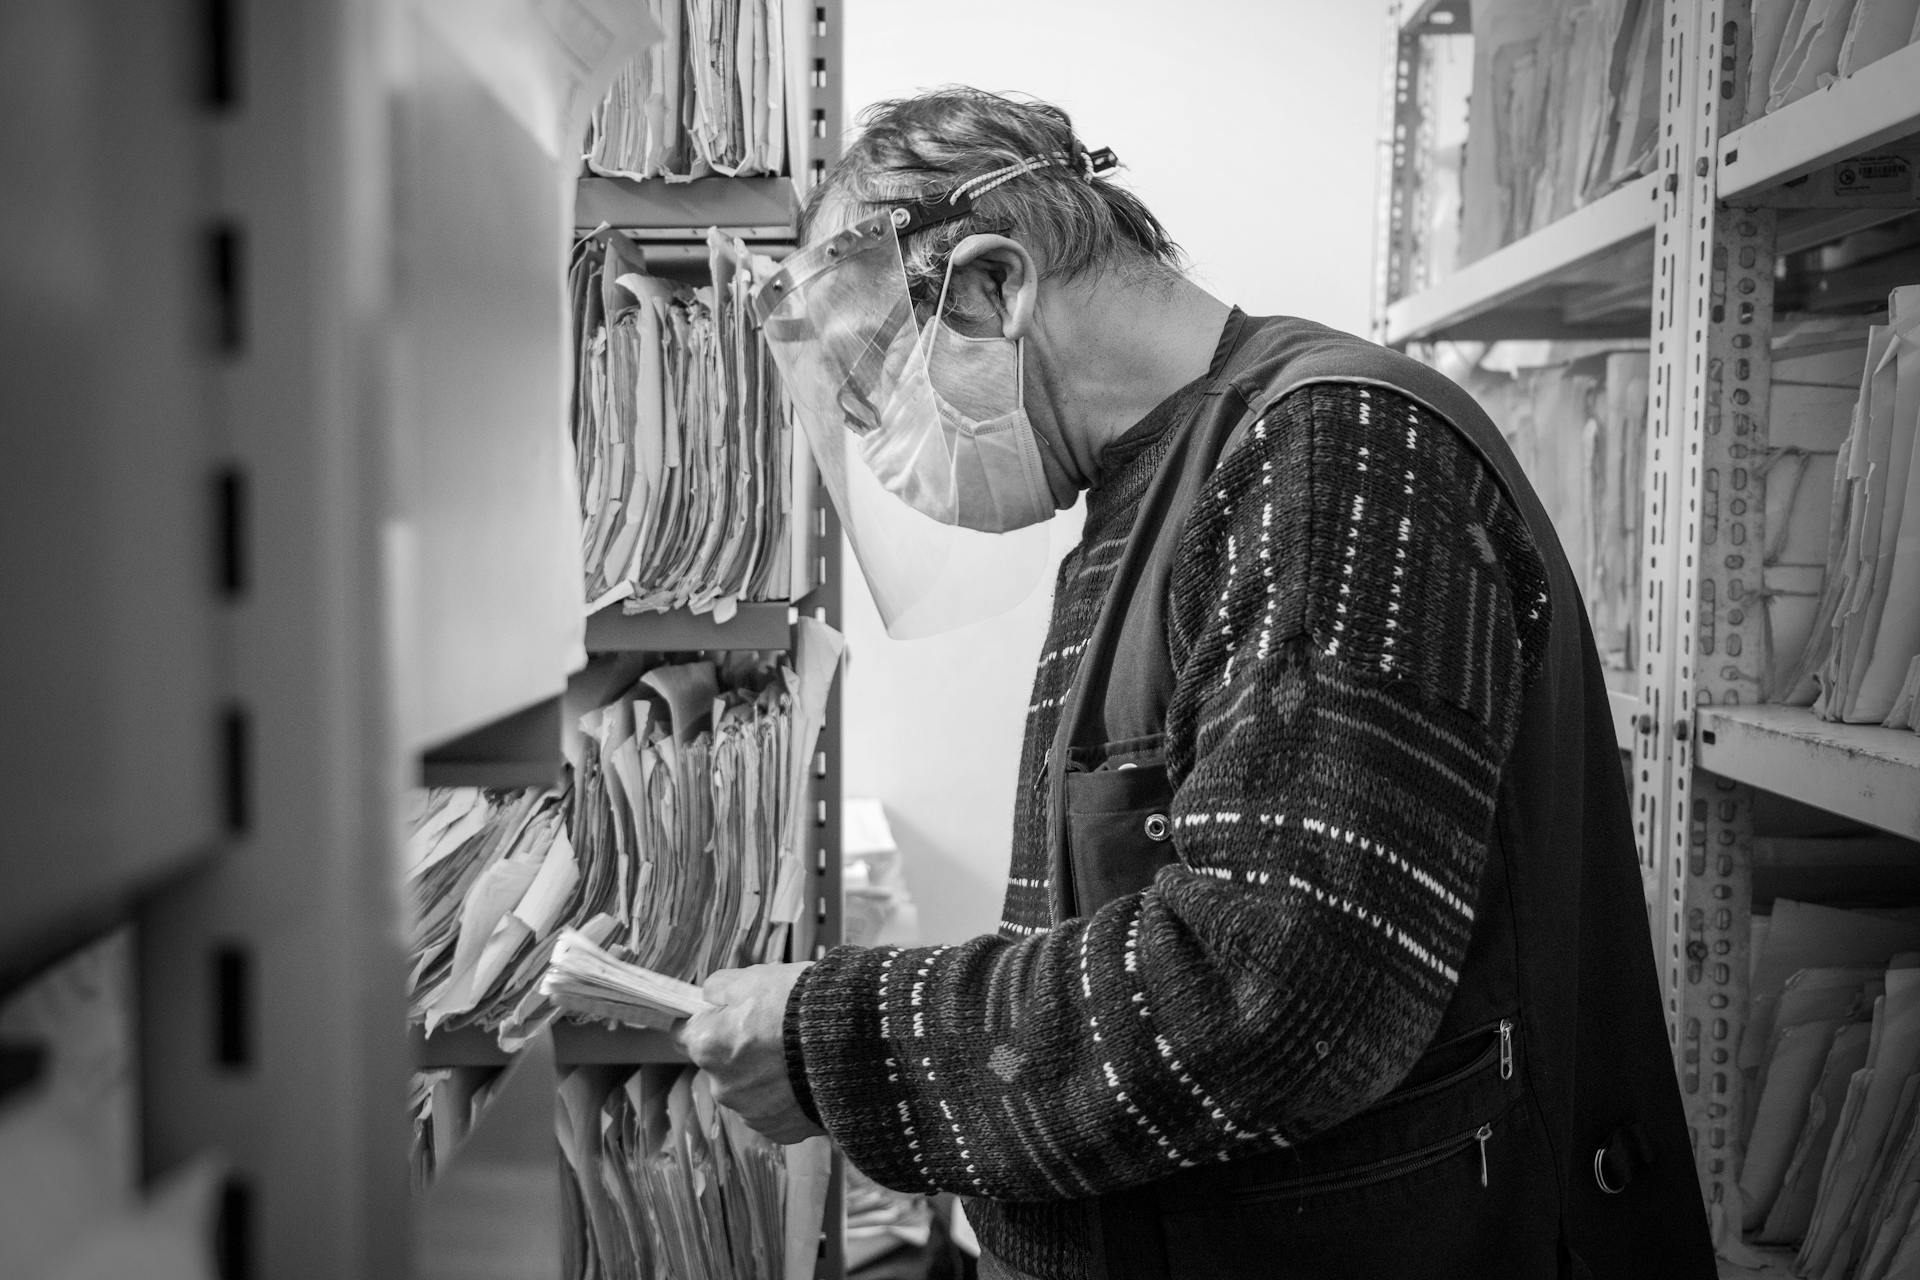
(1351,647)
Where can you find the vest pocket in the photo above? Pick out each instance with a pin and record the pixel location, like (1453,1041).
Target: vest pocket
(1394,1167)
(1119,831)
(1456,1099)
(1475,1202)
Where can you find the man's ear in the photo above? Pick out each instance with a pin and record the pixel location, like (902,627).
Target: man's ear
(998,274)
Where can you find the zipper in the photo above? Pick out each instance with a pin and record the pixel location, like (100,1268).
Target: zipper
(1380,1171)
(1499,1049)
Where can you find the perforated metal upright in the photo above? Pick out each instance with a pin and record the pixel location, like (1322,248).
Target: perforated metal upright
(1712,334)
(825,124)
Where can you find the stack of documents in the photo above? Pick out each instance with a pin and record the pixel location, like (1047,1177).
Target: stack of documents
(1578,426)
(1619,463)
(709,98)
(692,492)
(665,1184)
(1817,365)
(1565,108)
(1800,46)
(1861,662)
(680,844)
(1833,1157)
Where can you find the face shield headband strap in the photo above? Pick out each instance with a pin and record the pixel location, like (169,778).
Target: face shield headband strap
(910,216)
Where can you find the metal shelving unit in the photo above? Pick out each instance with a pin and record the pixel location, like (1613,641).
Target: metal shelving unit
(1699,241)
(524,747)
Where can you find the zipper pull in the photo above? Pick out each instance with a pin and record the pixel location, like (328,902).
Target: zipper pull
(1485,1131)
(1506,1049)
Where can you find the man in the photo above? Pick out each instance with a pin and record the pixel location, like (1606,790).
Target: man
(1324,950)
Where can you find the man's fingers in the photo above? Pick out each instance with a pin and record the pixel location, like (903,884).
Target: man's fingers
(721,985)
(703,1038)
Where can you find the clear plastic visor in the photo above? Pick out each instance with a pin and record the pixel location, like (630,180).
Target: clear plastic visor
(840,323)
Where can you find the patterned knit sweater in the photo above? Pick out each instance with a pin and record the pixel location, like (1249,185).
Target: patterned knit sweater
(1353,618)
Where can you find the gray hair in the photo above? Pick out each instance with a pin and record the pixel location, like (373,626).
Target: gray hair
(920,148)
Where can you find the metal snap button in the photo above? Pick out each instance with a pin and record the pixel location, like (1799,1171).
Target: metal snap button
(1158,828)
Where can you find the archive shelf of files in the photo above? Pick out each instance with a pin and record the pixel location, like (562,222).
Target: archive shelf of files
(1742,252)
(302,543)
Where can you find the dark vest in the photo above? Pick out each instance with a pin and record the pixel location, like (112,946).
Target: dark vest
(1541,1132)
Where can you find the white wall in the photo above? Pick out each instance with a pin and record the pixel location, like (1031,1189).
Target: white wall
(1251,128)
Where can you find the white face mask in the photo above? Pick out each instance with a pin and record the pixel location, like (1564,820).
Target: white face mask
(980,392)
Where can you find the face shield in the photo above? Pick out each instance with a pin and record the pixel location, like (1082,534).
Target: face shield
(903,465)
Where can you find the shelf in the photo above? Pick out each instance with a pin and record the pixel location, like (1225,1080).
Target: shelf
(1863,772)
(755,208)
(1589,275)
(589,1043)
(521,749)
(575,1044)
(1874,106)
(524,748)
(753,626)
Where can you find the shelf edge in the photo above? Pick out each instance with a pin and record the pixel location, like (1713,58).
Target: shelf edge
(1615,220)
(1863,772)
(1874,105)
(765,625)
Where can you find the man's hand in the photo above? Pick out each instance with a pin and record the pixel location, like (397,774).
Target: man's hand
(741,1047)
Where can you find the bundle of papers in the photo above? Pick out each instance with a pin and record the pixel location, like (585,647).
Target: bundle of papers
(1833,1156)
(692,492)
(679,845)
(582,978)
(1578,429)
(665,1184)
(1816,380)
(709,98)
(1861,661)
(1800,46)
(492,874)
(1565,108)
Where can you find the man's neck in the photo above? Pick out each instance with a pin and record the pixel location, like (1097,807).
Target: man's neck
(1105,352)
